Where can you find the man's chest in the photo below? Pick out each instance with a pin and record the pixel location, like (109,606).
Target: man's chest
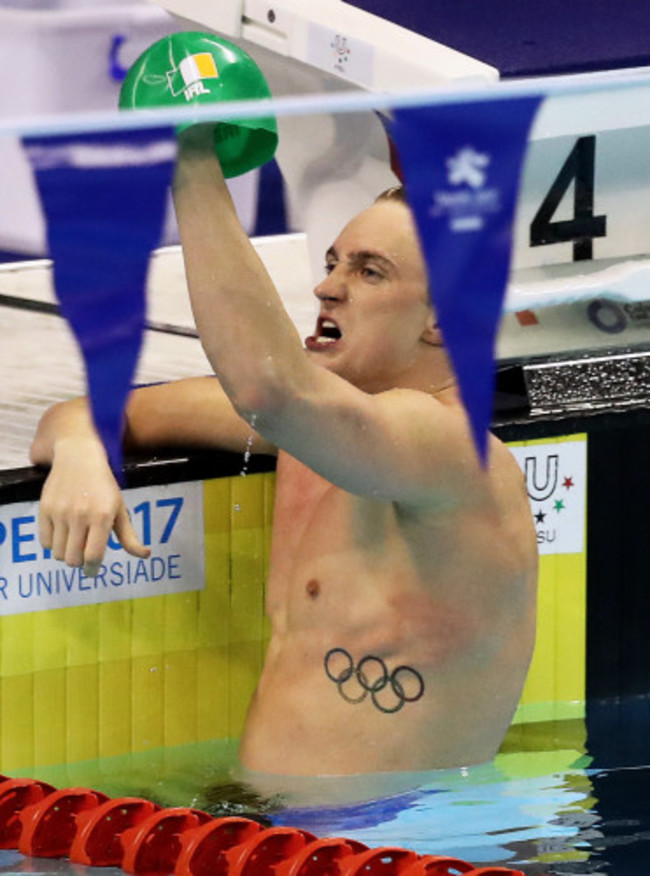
(305,503)
(317,524)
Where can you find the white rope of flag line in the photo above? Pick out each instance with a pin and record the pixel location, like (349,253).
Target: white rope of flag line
(314,104)
(625,281)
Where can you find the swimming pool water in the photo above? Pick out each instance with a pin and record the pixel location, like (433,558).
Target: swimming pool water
(555,810)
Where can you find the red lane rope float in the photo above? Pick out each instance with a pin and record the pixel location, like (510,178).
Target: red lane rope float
(263,852)
(439,865)
(153,846)
(494,871)
(321,857)
(98,841)
(146,840)
(204,849)
(15,795)
(388,861)
(49,826)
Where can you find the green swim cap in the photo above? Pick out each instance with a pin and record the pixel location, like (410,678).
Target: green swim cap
(196,68)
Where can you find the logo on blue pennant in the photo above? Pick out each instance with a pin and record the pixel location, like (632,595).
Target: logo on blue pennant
(469,199)
(104,196)
(461,164)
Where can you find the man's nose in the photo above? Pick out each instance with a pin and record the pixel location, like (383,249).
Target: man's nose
(333,287)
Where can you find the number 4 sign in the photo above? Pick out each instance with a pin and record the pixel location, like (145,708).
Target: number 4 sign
(585,191)
(578,173)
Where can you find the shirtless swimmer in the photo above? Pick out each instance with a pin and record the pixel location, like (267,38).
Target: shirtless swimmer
(402,583)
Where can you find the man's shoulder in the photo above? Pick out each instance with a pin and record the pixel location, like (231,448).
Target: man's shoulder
(442,402)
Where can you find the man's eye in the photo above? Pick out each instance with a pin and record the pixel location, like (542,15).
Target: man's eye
(329,267)
(370,273)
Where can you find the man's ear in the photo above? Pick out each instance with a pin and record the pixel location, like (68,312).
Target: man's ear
(432,334)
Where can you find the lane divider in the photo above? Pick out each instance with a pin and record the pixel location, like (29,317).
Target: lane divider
(144,839)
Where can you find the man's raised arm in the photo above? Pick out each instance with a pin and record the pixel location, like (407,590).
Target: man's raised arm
(369,426)
(251,343)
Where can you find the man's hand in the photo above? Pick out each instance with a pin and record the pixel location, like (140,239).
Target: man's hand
(81,504)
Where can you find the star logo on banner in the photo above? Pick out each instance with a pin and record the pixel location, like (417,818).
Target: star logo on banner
(555,478)
(341,52)
(467,166)
(557,505)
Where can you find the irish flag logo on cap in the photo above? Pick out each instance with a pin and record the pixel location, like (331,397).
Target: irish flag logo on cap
(188,77)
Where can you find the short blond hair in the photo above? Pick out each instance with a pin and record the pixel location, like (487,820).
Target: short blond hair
(395,193)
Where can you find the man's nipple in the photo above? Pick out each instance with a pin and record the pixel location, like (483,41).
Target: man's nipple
(313,588)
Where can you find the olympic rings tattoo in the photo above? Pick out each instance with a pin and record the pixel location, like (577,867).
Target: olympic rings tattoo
(371,676)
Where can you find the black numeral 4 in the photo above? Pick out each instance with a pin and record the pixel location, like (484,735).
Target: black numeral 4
(584,226)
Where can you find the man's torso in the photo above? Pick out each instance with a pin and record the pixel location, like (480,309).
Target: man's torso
(400,640)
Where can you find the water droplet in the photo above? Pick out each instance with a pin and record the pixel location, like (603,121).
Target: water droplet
(247,451)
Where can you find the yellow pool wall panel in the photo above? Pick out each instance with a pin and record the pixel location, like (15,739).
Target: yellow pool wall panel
(556,685)
(98,681)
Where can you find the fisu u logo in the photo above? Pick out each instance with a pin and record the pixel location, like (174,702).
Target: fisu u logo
(541,484)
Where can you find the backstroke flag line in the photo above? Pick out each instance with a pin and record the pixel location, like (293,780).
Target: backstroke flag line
(461,165)
(104,197)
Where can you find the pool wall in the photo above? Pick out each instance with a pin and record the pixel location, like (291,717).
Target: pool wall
(99,679)
(82,678)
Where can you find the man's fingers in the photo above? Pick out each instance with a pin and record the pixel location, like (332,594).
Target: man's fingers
(91,570)
(45,530)
(126,534)
(84,544)
(98,538)
(95,545)
(77,542)
(59,540)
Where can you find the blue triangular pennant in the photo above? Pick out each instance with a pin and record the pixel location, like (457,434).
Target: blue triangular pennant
(104,198)
(461,165)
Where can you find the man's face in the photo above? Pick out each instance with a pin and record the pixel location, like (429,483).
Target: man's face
(374,306)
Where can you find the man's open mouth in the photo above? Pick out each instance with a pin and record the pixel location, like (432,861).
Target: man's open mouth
(326,336)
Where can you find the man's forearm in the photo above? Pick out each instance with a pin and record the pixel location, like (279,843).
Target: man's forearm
(67,421)
(251,342)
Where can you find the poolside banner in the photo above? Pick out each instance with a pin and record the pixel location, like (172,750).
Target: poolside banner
(104,197)
(461,165)
(555,473)
(168,518)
